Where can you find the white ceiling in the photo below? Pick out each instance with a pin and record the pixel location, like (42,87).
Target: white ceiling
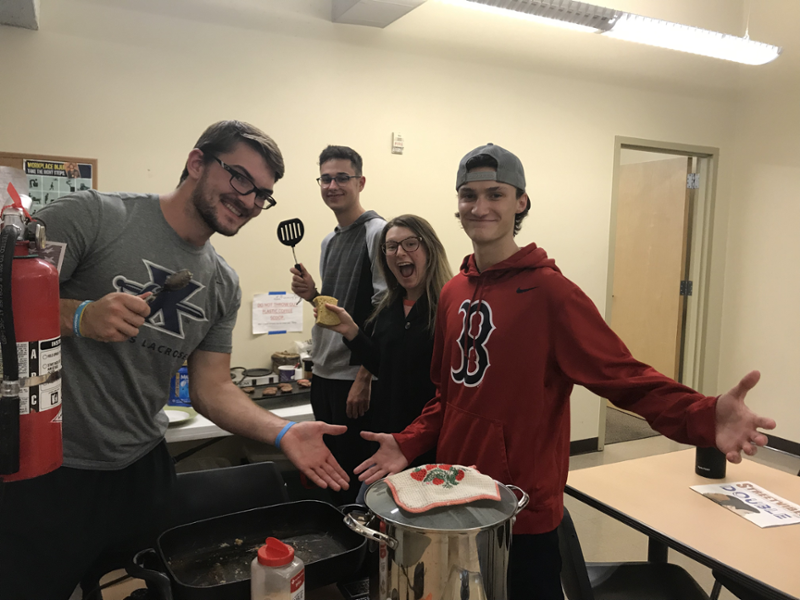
(446,31)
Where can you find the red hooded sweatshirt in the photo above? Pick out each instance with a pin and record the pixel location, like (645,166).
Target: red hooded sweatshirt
(510,343)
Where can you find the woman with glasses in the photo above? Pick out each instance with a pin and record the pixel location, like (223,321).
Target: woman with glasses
(396,344)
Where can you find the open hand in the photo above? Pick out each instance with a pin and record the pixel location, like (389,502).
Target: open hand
(303,445)
(388,460)
(737,426)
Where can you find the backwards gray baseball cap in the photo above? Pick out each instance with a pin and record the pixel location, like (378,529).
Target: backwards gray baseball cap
(509,168)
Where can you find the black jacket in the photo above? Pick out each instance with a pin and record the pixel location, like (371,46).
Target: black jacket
(397,349)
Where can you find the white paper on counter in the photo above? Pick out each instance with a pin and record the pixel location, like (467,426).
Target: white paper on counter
(752,502)
(277,312)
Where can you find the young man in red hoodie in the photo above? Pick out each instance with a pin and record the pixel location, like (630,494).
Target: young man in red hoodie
(513,336)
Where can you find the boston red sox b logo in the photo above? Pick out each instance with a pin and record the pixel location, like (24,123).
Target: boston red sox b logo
(475,331)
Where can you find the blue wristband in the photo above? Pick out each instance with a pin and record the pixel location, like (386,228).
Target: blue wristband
(76,319)
(282,433)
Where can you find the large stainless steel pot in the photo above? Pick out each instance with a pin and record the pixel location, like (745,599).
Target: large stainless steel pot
(453,552)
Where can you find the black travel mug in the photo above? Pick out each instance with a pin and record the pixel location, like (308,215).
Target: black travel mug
(710,462)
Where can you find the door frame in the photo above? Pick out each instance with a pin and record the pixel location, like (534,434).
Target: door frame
(702,218)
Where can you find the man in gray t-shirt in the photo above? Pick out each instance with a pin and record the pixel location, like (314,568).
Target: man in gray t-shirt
(124,336)
(349,272)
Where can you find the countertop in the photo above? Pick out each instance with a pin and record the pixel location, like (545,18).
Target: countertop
(295,406)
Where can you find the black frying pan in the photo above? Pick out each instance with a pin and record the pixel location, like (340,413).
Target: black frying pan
(210,559)
(290,233)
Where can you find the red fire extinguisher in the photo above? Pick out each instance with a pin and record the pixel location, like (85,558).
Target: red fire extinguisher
(30,335)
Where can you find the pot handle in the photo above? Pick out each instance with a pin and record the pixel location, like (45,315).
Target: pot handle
(523,502)
(156,580)
(365,531)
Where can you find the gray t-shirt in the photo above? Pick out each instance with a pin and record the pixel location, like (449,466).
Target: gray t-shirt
(350,273)
(114,393)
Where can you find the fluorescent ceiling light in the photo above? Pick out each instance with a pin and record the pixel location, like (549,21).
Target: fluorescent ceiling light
(529,15)
(631,27)
(664,34)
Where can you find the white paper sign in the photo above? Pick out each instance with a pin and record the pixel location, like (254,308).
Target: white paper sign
(752,502)
(15,176)
(277,312)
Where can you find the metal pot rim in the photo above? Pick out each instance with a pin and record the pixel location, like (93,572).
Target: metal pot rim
(498,515)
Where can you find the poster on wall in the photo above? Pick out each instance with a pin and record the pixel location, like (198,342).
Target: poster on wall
(48,180)
(277,312)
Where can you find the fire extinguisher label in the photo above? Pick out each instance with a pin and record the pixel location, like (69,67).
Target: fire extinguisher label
(39,358)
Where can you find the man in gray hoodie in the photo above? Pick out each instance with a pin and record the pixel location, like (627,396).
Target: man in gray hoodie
(349,271)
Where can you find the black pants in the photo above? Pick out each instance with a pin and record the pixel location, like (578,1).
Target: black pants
(534,567)
(57,527)
(329,402)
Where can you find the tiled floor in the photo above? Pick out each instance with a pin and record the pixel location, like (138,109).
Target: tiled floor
(603,538)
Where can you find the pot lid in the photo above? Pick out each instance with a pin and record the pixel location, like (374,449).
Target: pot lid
(479,514)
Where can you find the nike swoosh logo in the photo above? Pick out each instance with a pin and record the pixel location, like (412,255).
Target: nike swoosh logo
(522,291)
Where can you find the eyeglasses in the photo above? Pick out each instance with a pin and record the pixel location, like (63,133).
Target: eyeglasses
(340,178)
(409,245)
(242,184)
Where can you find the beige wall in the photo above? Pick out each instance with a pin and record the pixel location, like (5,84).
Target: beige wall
(134,89)
(761,313)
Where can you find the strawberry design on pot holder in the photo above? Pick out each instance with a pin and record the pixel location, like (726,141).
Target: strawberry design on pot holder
(444,475)
(421,488)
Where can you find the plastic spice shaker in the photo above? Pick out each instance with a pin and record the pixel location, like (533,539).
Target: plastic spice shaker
(276,574)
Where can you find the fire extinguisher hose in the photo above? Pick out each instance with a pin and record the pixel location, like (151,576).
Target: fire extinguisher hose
(9,401)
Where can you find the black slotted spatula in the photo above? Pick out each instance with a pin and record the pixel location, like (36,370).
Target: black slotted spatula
(290,233)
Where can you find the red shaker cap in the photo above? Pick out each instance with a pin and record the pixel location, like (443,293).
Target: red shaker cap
(275,553)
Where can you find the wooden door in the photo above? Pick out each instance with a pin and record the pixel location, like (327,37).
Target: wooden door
(647,308)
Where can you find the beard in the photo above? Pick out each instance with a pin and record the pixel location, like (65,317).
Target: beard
(203,202)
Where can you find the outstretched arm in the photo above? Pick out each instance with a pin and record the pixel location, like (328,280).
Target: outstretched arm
(218,399)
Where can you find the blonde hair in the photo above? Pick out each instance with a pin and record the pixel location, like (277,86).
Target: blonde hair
(437,269)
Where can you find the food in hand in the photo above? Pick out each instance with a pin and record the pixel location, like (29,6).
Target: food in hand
(270,391)
(325,316)
(175,281)
(303,383)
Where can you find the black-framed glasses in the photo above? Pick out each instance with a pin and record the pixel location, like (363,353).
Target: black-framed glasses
(410,244)
(339,178)
(242,184)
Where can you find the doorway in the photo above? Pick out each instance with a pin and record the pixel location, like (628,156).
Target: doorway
(659,251)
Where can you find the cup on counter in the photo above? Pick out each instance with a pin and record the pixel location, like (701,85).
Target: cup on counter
(308,364)
(286,373)
(710,462)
